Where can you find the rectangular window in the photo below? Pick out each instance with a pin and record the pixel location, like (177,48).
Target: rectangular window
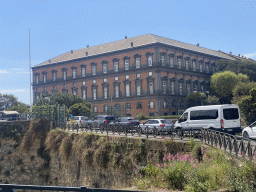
(172,87)
(180,88)
(54,76)
(151,88)
(64,75)
(151,104)
(201,67)
(127,90)
(105,92)
(202,88)
(126,64)
(230,113)
(195,87)
(150,60)
(45,78)
(83,72)
(94,93)
(116,78)
(164,87)
(203,114)
(37,79)
(84,94)
(105,68)
(149,73)
(93,70)
(74,92)
(138,89)
(179,63)
(194,65)
(188,88)
(187,66)
(137,62)
(74,73)
(171,61)
(126,76)
(207,68)
(116,66)
(162,60)
(138,75)
(117,91)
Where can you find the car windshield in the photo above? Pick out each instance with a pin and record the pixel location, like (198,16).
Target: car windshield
(75,118)
(253,124)
(110,118)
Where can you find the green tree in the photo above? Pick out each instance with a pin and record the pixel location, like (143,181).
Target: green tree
(243,88)
(79,109)
(195,99)
(245,67)
(62,99)
(211,100)
(7,101)
(248,107)
(20,107)
(49,101)
(223,83)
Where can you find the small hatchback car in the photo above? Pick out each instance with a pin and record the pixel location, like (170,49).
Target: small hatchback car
(159,124)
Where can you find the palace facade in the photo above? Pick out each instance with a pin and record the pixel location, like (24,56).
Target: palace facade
(148,74)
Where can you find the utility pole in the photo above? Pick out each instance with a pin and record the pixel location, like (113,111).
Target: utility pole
(30,73)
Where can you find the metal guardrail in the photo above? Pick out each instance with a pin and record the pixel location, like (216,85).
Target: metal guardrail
(138,131)
(230,143)
(11,187)
(238,146)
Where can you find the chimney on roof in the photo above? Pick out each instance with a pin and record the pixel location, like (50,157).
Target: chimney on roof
(71,52)
(230,53)
(125,37)
(238,55)
(87,46)
(131,44)
(86,53)
(197,44)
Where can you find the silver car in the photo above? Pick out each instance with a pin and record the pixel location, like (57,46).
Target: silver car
(80,120)
(159,124)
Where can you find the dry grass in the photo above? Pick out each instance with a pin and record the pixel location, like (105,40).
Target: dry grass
(37,130)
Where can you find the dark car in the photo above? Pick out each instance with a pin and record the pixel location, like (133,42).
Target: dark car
(100,121)
(130,121)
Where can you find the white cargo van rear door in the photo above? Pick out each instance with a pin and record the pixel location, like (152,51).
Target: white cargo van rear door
(231,117)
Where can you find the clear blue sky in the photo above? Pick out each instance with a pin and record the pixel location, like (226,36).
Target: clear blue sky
(58,26)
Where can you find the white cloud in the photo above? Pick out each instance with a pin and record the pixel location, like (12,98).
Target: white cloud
(250,55)
(8,91)
(3,71)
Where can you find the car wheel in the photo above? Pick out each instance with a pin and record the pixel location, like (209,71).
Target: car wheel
(246,135)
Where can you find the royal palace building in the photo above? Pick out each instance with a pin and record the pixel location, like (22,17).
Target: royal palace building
(148,74)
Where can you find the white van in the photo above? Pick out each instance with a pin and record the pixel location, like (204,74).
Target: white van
(219,117)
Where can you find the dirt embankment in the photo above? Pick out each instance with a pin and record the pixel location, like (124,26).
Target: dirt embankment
(60,158)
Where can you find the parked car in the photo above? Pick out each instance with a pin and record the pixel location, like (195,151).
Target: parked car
(80,120)
(250,131)
(99,121)
(130,121)
(224,118)
(159,124)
